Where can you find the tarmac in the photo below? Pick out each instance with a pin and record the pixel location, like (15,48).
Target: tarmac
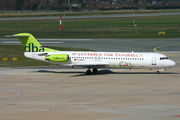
(69,94)
(56,93)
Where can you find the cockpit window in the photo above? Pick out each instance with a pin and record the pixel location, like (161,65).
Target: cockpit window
(164,58)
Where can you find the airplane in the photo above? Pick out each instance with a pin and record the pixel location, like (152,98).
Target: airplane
(93,60)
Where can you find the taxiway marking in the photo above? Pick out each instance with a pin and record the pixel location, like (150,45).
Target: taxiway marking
(155,49)
(17,93)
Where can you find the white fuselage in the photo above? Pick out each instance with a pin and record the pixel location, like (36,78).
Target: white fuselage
(111,59)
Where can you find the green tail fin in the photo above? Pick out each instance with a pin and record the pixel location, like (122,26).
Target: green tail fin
(30,44)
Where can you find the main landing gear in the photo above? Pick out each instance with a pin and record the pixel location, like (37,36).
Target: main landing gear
(88,72)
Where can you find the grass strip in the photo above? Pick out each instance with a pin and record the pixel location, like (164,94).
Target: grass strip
(147,27)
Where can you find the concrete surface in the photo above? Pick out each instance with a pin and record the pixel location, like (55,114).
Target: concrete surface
(94,16)
(69,94)
(110,45)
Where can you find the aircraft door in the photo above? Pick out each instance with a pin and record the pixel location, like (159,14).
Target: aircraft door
(154,61)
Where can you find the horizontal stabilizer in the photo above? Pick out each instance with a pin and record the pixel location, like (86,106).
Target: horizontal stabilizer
(17,36)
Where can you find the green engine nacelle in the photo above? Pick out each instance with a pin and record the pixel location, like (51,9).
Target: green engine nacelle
(57,57)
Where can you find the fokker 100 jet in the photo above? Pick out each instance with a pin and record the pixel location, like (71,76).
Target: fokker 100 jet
(93,60)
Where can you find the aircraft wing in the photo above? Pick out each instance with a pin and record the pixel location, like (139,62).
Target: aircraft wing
(88,65)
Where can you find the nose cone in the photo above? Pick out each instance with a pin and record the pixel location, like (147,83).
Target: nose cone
(169,63)
(172,63)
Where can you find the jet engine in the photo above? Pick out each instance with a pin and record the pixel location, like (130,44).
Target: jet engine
(57,57)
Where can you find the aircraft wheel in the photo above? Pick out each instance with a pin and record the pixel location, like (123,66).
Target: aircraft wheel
(88,72)
(95,70)
(157,72)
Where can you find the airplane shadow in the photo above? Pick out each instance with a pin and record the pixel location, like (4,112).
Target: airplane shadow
(102,72)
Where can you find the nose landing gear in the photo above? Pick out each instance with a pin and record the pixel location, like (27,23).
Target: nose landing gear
(157,72)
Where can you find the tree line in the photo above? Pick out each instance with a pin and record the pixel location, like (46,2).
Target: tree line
(77,5)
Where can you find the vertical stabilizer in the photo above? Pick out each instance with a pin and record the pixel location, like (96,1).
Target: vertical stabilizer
(30,44)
